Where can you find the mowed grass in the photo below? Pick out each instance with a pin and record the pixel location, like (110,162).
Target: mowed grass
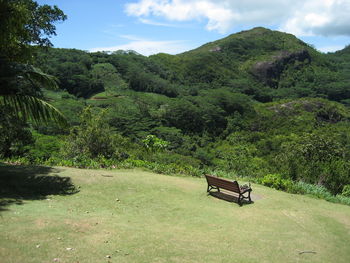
(138,216)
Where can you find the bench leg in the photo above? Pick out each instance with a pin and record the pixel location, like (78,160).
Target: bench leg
(210,187)
(250,200)
(240,197)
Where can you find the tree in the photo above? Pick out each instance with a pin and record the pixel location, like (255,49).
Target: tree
(20,91)
(318,158)
(24,25)
(15,135)
(93,138)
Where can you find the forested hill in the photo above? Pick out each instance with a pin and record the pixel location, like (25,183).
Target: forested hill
(264,64)
(255,103)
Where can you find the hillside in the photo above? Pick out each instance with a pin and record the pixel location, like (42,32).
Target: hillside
(261,63)
(255,103)
(137,216)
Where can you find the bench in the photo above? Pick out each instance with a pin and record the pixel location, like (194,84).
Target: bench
(233,186)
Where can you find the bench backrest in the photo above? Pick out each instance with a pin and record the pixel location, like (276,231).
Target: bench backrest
(223,183)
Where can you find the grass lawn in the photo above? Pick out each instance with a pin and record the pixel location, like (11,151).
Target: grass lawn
(75,215)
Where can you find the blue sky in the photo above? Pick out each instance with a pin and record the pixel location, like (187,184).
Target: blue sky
(175,26)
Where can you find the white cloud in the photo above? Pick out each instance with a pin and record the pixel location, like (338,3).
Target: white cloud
(320,17)
(147,47)
(155,23)
(301,17)
(219,17)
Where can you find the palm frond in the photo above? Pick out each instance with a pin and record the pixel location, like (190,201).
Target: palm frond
(37,77)
(32,108)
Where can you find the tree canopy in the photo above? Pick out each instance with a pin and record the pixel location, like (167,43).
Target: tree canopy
(24,25)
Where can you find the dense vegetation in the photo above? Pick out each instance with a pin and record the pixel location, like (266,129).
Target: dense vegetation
(258,103)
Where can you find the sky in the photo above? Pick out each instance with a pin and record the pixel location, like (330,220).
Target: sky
(175,26)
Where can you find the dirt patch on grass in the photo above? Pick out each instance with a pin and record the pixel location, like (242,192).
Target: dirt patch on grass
(81,226)
(41,223)
(256,197)
(342,219)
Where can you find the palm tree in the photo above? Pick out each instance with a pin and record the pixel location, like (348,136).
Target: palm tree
(24,25)
(28,107)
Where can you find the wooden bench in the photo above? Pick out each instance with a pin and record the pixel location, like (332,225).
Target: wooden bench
(233,186)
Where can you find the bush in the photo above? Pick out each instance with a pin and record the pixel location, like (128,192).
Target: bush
(342,199)
(276,181)
(317,158)
(239,158)
(94,138)
(153,143)
(319,192)
(315,190)
(346,191)
(44,147)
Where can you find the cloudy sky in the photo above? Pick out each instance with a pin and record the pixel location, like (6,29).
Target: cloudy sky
(175,26)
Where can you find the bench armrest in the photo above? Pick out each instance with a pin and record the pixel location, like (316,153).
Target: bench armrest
(244,190)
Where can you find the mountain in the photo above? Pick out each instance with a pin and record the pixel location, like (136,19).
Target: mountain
(261,63)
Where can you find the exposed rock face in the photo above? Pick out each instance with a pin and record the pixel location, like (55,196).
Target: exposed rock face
(270,71)
(324,112)
(293,107)
(215,49)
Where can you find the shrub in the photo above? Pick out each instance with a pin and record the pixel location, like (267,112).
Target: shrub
(94,138)
(316,158)
(44,147)
(342,199)
(320,191)
(315,190)
(153,143)
(346,191)
(239,158)
(276,181)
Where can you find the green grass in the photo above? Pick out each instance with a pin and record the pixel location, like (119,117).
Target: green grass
(138,216)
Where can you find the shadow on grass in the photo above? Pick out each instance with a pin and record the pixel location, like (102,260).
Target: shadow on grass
(229,197)
(18,183)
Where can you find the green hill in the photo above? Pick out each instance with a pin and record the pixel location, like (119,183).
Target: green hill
(261,63)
